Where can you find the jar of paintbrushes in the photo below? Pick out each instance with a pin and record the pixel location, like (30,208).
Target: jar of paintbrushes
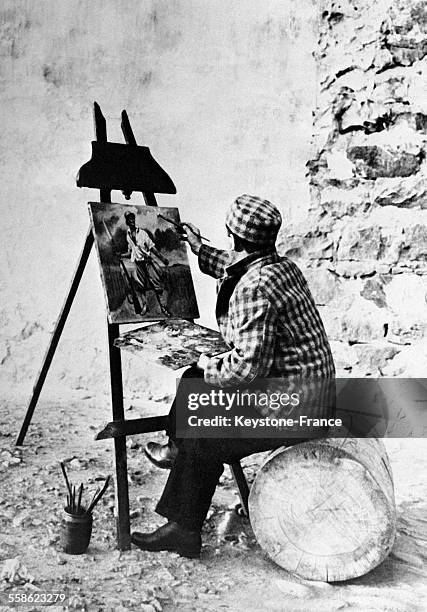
(76,527)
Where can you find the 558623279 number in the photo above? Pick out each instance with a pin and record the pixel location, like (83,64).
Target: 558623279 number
(22,598)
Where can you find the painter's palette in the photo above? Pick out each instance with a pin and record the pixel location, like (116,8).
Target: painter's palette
(174,344)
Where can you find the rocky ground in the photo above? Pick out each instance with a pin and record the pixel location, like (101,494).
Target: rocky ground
(233,573)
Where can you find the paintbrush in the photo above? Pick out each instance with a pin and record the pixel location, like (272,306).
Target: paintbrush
(79,507)
(179,226)
(98,496)
(67,482)
(93,499)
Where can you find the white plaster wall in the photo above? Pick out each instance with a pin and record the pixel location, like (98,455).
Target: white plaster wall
(221,91)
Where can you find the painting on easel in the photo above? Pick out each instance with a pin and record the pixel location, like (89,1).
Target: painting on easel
(144,264)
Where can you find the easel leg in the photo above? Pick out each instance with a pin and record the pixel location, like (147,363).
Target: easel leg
(56,336)
(122,490)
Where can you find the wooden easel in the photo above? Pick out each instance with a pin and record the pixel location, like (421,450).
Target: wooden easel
(131,182)
(116,166)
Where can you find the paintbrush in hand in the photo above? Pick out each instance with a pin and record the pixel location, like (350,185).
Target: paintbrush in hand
(179,226)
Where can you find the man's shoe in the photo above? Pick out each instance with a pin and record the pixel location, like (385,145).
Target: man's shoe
(171,537)
(162,455)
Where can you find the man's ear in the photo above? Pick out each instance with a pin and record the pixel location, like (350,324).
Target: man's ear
(231,242)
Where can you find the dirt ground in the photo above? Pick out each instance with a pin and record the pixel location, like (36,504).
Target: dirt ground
(233,573)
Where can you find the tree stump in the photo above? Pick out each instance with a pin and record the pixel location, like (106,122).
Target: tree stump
(325,509)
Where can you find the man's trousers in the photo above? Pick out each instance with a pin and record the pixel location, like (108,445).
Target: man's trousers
(199,464)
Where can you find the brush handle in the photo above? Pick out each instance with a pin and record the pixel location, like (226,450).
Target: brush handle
(179,226)
(98,496)
(80,498)
(92,500)
(67,482)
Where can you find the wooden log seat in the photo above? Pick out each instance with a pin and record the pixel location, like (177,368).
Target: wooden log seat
(325,509)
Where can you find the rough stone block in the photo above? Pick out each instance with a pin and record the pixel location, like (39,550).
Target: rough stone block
(391,245)
(403,332)
(373,290)
(416,96)
(360,243)
(325,286)
(310,243)
(405,36)
(339,202)
(391,86)
(410,362)
(351,41)
(369,113)
(407,192)
(406,298)
(415,243)
(405,51)
(394,218)
(359,269)
(344,357)
(421,122)
(372,161)
(372,359)
(339,166)
(381,247)
(363,322)
(360,360)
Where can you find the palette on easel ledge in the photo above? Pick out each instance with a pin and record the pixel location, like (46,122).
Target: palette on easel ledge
(174,344)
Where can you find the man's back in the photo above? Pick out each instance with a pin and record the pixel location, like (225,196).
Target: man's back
(271,322)
(302,346)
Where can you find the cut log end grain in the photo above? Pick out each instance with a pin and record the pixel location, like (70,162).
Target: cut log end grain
(325,509)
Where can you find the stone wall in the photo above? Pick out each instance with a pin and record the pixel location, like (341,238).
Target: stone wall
(364,243)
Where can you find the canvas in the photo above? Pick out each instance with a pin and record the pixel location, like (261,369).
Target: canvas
(144,264)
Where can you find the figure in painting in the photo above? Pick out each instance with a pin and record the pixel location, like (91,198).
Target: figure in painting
(147,268)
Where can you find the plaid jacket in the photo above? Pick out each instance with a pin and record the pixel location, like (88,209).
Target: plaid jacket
(268,318)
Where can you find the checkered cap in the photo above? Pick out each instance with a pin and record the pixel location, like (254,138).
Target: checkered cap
(254,220)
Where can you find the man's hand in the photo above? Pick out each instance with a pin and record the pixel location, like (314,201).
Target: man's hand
(203,361)
(192,236)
